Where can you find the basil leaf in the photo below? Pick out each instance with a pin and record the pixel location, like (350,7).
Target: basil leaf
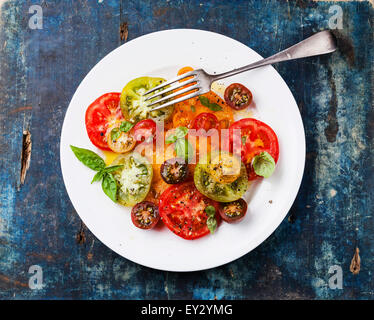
(183,149)
(180,148)
(244,139)
(181,132)
(212,106)
(89,158)
(211,224)
(193,108)
(126,126)
(171,139)
(204,101)
(210,211)
(98,176)
(263,164)
(109,186)
(113,168)
(114,134)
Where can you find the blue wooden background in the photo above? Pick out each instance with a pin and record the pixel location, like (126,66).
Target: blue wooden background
(332,215)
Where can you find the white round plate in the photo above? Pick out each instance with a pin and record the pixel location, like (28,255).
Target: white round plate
(163,54)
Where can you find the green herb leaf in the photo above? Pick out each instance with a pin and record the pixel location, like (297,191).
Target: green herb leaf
(126,126)
(183,149)
(212,106)
(210,211)
(89,158)
(109,186)
(181,132)
(113,168)
(211,224)
(171,139)
(115,134)
(264,164)
(193,108)
(98,176)
(244,139)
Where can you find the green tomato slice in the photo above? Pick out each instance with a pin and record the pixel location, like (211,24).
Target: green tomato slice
(133,104)
(219,191)
(133,179)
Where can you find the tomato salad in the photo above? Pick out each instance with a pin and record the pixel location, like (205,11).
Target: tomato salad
(198,177)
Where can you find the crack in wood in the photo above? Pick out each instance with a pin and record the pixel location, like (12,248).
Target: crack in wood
(25,155)
(124,31)
(81,236)
(356,262)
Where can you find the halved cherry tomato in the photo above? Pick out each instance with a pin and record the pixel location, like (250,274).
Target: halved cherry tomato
(144,215)
(253,137)
(104,112)
(205,121)
(238,96)
(121,142)
(182,209)
(144,129)
(233,211)
(174,170)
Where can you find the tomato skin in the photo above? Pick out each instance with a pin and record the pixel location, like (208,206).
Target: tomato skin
(174,171)
(124,143)
(100,115)
(183,118)
(147,210)
(238,96)
(144,129)
(258,136)
(135,108)
(238,210)
(184,70)
(205,121)
(182,209)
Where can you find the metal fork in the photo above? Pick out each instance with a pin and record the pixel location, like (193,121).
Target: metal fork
(200,82)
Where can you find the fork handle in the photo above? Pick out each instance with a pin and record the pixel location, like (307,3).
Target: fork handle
(320,43)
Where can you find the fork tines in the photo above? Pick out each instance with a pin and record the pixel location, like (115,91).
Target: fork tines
(174,90)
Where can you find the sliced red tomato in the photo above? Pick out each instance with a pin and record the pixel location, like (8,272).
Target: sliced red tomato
(238,96)
(248,138)
(104,112)
(144,129)
(205,121)
(182,209)
(182,118)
